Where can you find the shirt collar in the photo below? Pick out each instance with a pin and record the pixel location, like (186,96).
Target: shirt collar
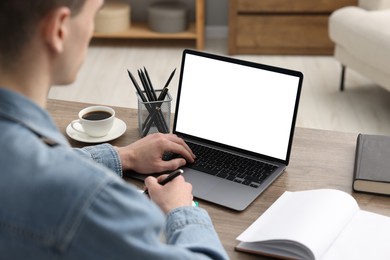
(18,108)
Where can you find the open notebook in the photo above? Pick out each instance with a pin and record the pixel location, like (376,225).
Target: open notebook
(322,224)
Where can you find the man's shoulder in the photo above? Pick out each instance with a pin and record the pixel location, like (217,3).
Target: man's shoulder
(45,190)
(37,171)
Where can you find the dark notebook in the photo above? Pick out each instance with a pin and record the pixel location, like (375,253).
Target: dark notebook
(372,164)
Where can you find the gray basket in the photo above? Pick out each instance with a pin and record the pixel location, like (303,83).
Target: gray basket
(168,17)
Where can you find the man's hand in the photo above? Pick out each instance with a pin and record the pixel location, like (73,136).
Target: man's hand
(145,155)
(174,194)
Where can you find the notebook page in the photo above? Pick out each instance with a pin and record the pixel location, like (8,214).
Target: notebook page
(367,236)
(313,218)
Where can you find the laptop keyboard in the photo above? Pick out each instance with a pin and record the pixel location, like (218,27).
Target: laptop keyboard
(231,167)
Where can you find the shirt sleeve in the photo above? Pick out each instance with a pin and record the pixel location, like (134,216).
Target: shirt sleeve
(104,154)
(192,227)
(122,223)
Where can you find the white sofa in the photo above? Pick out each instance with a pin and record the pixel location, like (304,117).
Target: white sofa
(362,40)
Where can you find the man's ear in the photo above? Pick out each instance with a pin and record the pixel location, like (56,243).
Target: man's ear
(54,29)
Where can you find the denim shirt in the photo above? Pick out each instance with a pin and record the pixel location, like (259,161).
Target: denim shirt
(65,203)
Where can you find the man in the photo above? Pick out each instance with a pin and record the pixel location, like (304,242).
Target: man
(59,202)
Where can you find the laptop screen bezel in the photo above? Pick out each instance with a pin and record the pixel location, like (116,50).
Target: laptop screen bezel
(249,64)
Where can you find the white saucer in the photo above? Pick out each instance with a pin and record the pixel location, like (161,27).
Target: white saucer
(118,129)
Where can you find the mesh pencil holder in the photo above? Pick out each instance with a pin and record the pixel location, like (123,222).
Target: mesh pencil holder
(154,116)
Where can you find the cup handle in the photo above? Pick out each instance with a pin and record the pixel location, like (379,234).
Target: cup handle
(77,129)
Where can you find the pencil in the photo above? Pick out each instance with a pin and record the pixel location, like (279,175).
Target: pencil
(163,92)
(170,78)
(160,98)
(149,120)
(148,90)
(143,98)
(145,85)
(137,87)
(150,84)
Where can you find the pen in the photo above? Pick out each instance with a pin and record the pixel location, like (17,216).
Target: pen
(170,177)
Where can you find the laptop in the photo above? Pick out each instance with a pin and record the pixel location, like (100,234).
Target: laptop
(239,118)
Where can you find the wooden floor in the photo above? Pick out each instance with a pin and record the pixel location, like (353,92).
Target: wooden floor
(363,108)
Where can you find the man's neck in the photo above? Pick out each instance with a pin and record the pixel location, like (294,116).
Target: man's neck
(30,81)
(37,94)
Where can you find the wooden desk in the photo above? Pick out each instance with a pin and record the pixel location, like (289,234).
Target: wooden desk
(319,159)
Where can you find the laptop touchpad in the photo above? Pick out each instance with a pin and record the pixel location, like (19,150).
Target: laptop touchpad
(201,183)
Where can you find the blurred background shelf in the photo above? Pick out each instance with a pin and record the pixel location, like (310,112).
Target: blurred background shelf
(142,31)
(282,26)
(139,30)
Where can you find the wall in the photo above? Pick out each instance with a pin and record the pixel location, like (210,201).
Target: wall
(217,12)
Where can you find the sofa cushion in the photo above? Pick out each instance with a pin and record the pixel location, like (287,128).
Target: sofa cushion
(364,34)
(374,4)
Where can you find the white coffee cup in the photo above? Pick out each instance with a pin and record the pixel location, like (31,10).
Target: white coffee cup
(95,121)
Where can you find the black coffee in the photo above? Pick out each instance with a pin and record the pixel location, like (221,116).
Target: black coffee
(97,115)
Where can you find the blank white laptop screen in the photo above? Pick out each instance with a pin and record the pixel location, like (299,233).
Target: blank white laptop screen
(236,105)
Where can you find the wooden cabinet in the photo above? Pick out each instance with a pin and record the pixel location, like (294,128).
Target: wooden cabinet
(141,31)
(281,26)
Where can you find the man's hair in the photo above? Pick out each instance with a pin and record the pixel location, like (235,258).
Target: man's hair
(19,20)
